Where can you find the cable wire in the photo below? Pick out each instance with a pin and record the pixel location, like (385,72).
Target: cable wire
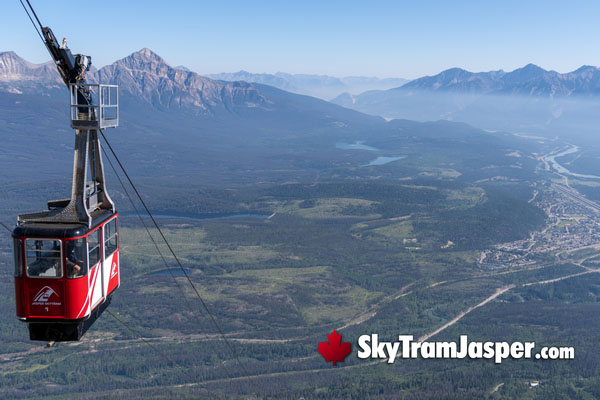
(34,14)
(150,235)
(6,227)
(184,296)
(204,305)
(31,19)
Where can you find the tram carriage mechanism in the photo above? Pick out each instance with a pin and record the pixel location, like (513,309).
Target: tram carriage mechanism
(67,257)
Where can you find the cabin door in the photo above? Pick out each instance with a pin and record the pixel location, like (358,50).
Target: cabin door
(95,276)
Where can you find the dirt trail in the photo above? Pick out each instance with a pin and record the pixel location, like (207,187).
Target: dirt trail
(498,292)
(363,317)
(589,271)
(179,338)
(498,386)
(356,320)
(372,311)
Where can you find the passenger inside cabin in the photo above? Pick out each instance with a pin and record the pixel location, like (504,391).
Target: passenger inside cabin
(43,258)
(76,252)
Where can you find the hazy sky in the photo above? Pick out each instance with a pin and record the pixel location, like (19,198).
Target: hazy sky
(376,38)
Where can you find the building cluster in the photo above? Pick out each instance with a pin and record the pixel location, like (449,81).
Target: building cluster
(573,223)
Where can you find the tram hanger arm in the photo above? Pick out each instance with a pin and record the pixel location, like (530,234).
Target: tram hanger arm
(72,67)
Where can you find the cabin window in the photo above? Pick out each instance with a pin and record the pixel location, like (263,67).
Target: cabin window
(94,246)
(18,253)
(43,258)
(110,238)
(76,258)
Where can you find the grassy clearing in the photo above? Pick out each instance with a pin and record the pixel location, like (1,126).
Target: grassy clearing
(279,276)
(336,208)
(33,368)
(325,208)
(238,255)
(441,173)
(566,223)
(191,248)
(399,232)
(467,197)
(339,305)
(583,254)
(315,295)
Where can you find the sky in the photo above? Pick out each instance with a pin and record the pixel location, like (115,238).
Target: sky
(406,39)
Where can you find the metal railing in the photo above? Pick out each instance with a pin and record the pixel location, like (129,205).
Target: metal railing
(103,110)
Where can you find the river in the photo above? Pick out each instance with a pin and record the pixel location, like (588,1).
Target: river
(551,158)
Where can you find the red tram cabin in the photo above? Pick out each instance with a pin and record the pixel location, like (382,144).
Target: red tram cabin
(65,274)
(67,257)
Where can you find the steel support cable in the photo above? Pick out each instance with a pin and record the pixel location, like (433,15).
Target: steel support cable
(183,295)
(151,217)
(31,19)
(6,227)
(162,354)
(204,305)
(151,237)
(34,14)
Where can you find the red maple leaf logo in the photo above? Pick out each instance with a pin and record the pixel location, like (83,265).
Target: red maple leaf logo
(334,350)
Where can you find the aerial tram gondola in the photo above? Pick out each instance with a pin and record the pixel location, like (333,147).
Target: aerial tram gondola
(67,257)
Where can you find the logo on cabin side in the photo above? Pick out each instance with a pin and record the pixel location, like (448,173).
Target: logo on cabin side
(113,270)
(43,297)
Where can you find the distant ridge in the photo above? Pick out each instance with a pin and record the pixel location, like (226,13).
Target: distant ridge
(151,90)
(528,80)
(13,67)
(18,75)
(145,75)
(528,98)
(321,86)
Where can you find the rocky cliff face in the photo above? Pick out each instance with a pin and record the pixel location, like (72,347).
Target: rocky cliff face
(14,68)
(529,80)
(147,76)
(143,75)
(18,75)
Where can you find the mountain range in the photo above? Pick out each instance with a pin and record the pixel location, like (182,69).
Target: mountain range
(147,85)
(17,74)
(322,86)
(143,75)
(529,98)
(530,80)
(176,124)
(185,121)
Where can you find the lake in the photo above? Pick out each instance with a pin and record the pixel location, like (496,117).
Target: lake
(359,145)
(383,160)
